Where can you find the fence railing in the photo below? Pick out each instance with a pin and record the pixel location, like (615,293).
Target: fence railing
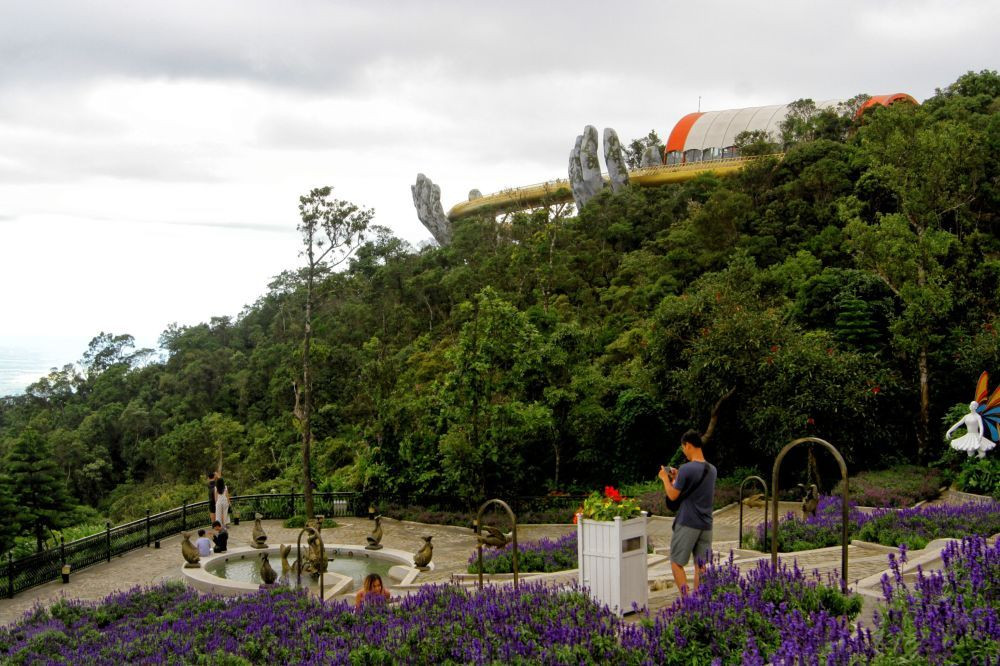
(520,504)
(26,572)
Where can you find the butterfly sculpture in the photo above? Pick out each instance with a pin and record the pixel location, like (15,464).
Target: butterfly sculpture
(982,423)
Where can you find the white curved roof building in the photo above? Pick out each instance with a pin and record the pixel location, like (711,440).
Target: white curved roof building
(712,134)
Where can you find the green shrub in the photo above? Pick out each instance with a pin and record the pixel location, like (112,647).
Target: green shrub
(980,476)
(299,521)
(899,487)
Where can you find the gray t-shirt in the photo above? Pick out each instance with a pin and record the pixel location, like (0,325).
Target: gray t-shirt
(696,509)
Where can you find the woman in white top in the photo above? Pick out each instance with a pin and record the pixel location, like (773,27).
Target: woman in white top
(222,503)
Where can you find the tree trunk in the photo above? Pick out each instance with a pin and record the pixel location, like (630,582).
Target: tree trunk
(714,418)
(923,429)
(307,392)
(555,483)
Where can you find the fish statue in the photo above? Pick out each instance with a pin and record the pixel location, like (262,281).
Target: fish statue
(494,537)
(267,573)
(423,556)
(810,499)
(259,538)
(315,558)
(190,552)
(375,538)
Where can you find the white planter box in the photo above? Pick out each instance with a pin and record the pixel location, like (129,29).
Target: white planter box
(612,559)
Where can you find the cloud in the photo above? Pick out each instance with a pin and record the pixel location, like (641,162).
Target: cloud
(135,133)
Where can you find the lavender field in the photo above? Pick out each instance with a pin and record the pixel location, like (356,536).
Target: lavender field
(756,617)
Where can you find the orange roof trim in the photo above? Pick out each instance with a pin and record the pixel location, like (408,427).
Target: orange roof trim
(678,135)
(887,100)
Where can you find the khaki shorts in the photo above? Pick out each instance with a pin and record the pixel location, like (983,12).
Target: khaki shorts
(686,540)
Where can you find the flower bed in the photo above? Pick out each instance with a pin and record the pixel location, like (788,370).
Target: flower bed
(913,528)
(544,555)
(947,617)
(767,616)
(817,531)
(900,486)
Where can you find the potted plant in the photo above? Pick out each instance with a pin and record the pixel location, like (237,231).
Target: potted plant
(611,550)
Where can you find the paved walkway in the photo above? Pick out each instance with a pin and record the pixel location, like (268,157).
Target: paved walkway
(149,566)
(452,548)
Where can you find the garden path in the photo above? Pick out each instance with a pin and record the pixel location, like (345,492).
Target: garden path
(452,547)
(148,566)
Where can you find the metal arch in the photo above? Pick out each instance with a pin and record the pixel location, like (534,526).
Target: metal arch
(774,501)
(762,483)
(479,532)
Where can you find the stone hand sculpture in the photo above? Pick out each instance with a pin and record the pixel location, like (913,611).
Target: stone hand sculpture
(613,157)
(267,573)
(259,538)
(651,157)
(576,175)
(427,201)
(423,556)
(982,423)
(494,537)
(590,165)
(189,552)
(810,499)
(585,169)
(375,539)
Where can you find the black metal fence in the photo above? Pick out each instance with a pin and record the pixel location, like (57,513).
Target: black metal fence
(19,575)
(548,508)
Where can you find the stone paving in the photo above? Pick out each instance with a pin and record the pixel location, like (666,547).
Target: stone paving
(148,566)
(452,547)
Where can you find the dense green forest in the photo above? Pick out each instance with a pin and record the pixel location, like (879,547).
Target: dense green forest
(849,291)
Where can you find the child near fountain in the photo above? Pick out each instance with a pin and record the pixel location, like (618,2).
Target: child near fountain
(204,544)
(371,590)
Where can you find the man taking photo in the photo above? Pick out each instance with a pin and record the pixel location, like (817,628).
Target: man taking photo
(693,485)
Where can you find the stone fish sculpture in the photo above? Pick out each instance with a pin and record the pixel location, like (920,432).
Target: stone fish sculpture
(494,537)
(423,556)
(259,538)
(190,552)
(375,538)
(267,573)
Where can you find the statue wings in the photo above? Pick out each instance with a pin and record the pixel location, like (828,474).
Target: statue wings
(988,409)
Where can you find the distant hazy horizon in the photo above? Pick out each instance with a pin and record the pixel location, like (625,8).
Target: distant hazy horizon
(24,360)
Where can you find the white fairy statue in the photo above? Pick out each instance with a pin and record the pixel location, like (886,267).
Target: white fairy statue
(981,423)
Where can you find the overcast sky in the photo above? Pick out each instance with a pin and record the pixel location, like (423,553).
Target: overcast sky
(152,154)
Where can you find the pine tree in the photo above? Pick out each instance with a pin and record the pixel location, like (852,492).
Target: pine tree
(9,527)
(37,487)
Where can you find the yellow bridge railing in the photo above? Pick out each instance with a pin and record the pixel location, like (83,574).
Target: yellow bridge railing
(559,191)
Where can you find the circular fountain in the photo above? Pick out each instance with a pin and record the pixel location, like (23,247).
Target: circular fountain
(237,570)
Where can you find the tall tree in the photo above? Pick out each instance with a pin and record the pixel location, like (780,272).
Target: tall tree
(331,230)
(36,485)
(934,170)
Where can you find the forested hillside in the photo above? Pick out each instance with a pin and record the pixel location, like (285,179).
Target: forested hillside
(849,291)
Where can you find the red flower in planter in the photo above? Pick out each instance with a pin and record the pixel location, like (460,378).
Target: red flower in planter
(612,494)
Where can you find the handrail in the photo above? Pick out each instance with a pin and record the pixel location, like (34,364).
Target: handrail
(560,190)
(11,568)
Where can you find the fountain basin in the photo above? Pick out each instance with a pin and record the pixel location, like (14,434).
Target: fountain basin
(396,564)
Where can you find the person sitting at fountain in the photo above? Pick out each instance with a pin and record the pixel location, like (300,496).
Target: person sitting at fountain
(371,590)
(204,544)
(221,537)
